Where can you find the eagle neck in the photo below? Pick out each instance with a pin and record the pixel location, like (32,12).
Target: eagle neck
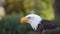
(35,25)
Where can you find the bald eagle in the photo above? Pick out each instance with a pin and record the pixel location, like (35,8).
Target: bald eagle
(41,26)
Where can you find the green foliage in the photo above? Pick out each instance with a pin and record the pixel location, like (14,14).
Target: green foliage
(14,6)
(28,5)
(11,25)
(44,8)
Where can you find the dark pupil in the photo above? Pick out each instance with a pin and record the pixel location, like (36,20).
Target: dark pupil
(28,17)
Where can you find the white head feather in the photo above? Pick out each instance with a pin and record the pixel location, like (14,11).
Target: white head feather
(34,20)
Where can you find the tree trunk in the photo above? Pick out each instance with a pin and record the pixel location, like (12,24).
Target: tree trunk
(57,7)
(57,10)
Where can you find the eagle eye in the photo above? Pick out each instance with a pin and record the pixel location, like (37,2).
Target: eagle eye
(29,17)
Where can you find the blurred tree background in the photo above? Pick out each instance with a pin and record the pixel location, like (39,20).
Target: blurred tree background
(15,9)
(44,8)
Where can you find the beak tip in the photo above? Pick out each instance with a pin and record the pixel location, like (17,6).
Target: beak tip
(22,20)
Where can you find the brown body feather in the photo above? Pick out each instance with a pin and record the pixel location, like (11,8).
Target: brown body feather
(48,27)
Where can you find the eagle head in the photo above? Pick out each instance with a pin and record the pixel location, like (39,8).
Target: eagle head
(32,19)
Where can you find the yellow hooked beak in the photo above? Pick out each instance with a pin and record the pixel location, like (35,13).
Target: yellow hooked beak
(23,20)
